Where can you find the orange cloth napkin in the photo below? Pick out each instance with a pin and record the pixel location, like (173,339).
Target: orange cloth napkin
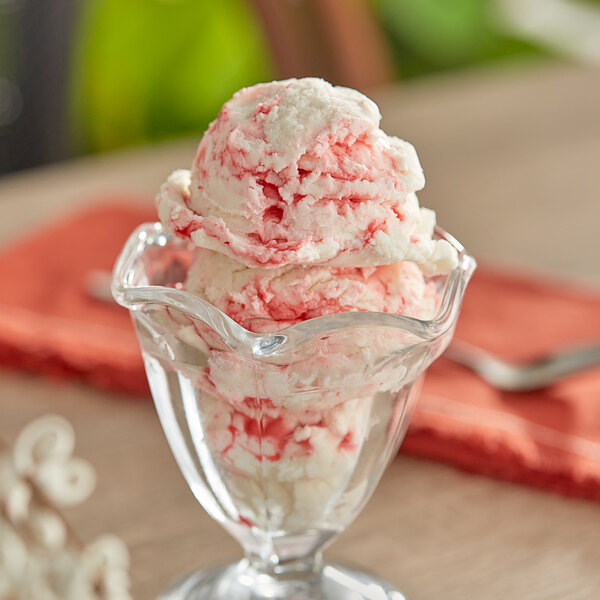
(548,438)
(48,323)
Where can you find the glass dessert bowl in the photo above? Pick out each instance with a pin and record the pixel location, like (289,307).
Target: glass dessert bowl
(281,436)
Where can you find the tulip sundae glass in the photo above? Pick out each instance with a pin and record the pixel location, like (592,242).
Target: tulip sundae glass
(281,436)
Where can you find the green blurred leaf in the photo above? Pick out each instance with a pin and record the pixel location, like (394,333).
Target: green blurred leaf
(147,69)
(436,35)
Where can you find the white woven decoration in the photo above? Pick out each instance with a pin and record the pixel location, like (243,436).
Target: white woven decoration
(40,557)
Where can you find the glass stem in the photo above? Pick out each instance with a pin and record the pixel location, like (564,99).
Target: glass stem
(292,578)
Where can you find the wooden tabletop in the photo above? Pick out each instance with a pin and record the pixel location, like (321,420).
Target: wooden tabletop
(511,160)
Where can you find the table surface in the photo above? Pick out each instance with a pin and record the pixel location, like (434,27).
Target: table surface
(511,159)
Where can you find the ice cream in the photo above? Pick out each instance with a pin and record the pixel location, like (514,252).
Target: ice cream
(271,299)
(299,172)
(300,207)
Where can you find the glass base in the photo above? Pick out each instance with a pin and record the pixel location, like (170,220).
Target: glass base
(231,582)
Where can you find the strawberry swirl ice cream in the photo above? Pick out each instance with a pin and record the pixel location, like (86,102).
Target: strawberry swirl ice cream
(299,207)
(263,300)
(299,172)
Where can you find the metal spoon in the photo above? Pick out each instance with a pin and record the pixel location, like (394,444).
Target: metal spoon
(504,375)
(526,376)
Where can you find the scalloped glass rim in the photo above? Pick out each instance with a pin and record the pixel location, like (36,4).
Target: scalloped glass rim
(135,297)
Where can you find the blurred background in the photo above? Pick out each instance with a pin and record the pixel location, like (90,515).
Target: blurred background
(87,76)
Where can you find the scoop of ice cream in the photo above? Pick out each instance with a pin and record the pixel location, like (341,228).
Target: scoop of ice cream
(299,172)
(270,299)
